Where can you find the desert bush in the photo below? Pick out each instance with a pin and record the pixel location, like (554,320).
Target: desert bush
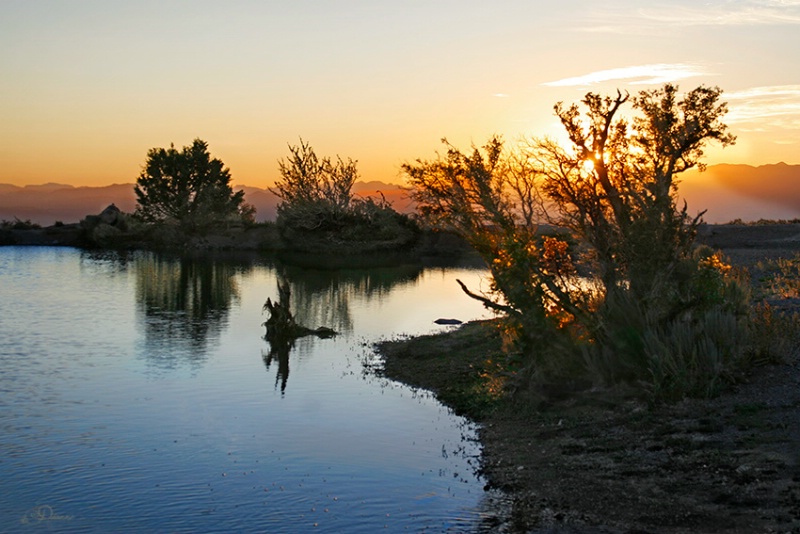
(783,277)
(629,299)
(318,209)
(692,353)
(18,224)
(775,334)
(315,193)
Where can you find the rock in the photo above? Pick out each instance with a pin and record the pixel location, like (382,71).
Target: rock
(110,215)
(324,332)
(448,321)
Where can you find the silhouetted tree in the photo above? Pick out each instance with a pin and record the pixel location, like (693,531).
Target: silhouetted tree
(314,192)
(318,210)
(613,186)
(188,186)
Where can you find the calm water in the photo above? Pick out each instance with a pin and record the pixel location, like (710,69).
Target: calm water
(137,394)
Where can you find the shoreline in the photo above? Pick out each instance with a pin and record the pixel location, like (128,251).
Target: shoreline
(602,460)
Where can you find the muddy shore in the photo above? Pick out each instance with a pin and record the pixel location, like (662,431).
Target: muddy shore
(604,461)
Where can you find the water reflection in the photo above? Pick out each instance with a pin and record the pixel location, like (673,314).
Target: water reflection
(87,433)
(279,353)
(109,263)
(282,331)
(185,302)
(322,298)
(325,297)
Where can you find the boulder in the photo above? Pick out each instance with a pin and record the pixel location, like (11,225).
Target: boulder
(111,215)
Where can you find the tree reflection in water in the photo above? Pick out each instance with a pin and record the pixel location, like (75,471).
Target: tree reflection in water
(281,332)
(278,351)
(323,298)
(185,303)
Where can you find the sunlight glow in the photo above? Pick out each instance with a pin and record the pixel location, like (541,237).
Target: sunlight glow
(100,83)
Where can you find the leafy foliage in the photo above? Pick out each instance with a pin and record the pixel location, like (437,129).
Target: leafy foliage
(314,192)
(188,186)
(18,224)
(317,204)
(615,184)
(617,291)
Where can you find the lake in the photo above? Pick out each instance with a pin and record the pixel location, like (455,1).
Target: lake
(137,394)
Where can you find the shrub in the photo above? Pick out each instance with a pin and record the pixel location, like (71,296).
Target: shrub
(318,210)
(630,299)
(18,224)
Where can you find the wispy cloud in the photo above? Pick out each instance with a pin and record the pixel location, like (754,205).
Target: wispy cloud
(726,13)
(501,95)
(637,75)
(774,106)
(663,16)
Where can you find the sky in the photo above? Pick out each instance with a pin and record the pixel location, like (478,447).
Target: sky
(89,86)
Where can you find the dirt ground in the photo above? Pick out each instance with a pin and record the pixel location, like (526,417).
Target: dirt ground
(602,461)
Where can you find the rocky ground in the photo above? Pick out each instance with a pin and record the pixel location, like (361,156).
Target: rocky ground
(728,465)
(603,461)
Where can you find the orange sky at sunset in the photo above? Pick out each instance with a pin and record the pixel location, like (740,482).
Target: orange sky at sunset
(88,86)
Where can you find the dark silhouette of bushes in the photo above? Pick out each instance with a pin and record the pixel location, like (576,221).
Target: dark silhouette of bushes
(629,298)
(190,187)
(318,212)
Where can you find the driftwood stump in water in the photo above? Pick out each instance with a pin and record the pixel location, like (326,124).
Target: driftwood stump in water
(281,325)
(282,330)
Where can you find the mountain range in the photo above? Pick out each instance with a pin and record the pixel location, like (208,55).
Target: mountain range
(743,192)
(726,191)
(48,203)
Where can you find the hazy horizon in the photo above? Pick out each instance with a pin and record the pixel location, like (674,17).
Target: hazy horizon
(725,191)
(89,87)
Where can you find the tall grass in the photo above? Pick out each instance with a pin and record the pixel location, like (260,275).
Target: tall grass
(705,333)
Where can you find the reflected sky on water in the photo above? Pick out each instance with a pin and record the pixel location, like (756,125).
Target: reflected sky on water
(134,396)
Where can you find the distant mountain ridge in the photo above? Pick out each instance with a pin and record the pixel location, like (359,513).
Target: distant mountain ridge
(47,203)
(749,193)
(726,191)
(779,183)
